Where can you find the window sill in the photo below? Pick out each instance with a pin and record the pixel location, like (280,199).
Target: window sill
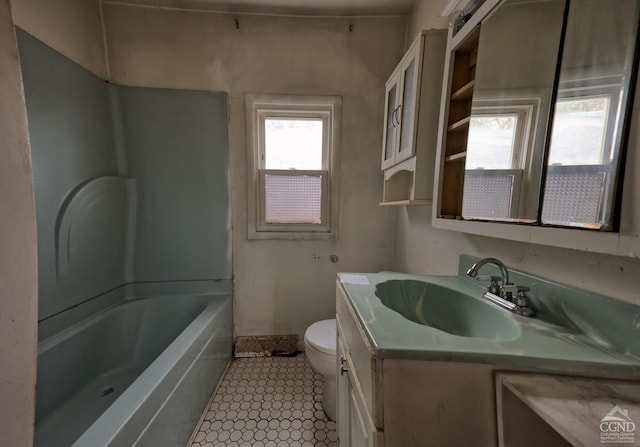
(291,235)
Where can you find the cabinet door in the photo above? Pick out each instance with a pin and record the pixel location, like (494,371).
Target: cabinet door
(391,120)
(342,419)
(355,428)
(408,108)
(360,433)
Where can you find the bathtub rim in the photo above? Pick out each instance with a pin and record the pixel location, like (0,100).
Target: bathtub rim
(59,323)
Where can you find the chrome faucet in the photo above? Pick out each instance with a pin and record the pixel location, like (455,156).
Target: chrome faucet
(494,287)
(500,291)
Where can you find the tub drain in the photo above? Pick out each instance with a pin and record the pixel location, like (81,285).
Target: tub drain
(106,390)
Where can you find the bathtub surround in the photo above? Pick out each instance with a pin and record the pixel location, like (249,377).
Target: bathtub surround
(76,177)
(131,191)
(121,175)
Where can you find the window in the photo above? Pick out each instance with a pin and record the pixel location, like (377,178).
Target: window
(579,131)
(497,155)
(492,141)
(292,151)
(582,153)
(499,136)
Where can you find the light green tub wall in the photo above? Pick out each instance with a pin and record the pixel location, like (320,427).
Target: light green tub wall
(131,184)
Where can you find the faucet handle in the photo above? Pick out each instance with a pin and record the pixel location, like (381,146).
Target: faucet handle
(494,286)
(488,278)
(520,300)
(513,288)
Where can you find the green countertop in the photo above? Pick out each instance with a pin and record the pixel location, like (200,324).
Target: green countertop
(540,346)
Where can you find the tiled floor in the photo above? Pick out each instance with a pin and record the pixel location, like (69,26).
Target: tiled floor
(267,402)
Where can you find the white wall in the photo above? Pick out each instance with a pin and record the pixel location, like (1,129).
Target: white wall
(279,288)
(72,27)
(18,265)
(426,15)
(420,248)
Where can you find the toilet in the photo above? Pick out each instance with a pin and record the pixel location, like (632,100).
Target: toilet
(320,348)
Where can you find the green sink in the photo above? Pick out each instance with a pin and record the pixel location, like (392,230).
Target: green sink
(447,310)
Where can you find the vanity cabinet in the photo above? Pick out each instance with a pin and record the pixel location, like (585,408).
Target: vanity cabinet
(411,374)
(409,403)
(412,96)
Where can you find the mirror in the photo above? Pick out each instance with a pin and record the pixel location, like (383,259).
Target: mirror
(549,120)
(515,75)
(587,135)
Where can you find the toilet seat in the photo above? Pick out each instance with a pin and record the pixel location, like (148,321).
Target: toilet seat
(321,335)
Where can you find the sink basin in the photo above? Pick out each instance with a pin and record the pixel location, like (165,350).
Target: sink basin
(447,310)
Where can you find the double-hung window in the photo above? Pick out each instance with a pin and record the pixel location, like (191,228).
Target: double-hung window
(582,158)
(292,152)
(497,157)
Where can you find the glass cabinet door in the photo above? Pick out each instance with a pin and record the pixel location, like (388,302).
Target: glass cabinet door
(409,106)
(391,122)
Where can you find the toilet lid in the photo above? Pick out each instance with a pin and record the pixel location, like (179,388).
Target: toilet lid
(322,336)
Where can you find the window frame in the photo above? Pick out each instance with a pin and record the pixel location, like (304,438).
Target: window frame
(525,111)
(260,107)
(575,88)
(526,105)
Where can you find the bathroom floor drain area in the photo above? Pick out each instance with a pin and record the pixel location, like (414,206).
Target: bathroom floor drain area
(266,346)
(106,390)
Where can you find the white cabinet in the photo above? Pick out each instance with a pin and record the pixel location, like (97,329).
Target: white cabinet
(412,99)
(401,107)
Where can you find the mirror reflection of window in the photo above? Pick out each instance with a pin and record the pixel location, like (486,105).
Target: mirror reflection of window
(580,156)
(491,142)
(514,80)
(497,148)
(585,149)
(491,154)
(578,136)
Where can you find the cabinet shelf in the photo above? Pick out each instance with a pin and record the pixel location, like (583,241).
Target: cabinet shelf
(460,125)
(459,157)
(464,92)
(461,64)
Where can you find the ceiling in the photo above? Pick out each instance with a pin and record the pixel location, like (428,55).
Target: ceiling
(291,7)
